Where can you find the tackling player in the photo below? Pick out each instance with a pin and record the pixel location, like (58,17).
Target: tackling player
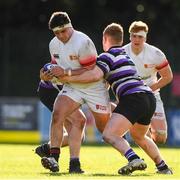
(136,102)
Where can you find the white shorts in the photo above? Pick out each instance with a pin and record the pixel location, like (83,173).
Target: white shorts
(96,98)
(159,112)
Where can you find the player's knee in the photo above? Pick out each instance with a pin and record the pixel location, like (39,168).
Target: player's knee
(82,121)
(55,118)
(79,123)
(159,136)
(100,124)
(107,137)
(83,137)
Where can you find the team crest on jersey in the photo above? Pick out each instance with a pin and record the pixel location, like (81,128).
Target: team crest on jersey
(149,65)
(158,114)
(73,57)
(101,107)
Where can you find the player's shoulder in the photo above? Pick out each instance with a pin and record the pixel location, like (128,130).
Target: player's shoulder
(152,48)
(81,36)
(105,56)
(126,46)
(54,41)
(154,52)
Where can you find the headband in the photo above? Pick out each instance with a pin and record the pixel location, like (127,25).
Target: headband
(58,28)
(140,33)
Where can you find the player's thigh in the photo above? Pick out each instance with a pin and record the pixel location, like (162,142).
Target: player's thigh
(117,125)
(100,106)
(158,121)
(64,106)
(101,120)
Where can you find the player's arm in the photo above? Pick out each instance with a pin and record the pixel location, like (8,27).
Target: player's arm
(88,76)
(87,63)
(166,76)
(60,72)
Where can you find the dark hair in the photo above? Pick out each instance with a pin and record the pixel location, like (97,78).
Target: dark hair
(58,19)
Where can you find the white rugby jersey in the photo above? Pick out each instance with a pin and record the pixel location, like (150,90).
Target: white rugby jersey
(147,62)
(78,52)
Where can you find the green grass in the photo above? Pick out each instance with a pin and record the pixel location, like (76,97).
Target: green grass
(99,162)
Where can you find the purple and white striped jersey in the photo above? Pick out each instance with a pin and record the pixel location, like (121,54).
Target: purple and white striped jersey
(120,72)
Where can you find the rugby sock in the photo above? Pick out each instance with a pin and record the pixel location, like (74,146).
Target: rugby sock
(74,159)
(131,155)
(54,152)
(161,166)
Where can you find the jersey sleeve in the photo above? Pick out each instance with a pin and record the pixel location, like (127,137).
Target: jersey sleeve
(104,63)
(160,59)
(87,53)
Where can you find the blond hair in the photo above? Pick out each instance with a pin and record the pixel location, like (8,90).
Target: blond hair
(137,26)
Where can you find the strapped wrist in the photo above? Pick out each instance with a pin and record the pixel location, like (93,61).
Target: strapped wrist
(68,72)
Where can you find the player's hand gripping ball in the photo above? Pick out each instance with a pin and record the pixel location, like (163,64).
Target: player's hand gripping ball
(48,67)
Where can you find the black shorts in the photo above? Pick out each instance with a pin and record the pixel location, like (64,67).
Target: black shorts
(47,96)
(137,107)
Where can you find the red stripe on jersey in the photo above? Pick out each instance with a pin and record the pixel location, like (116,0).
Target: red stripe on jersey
(53,60)
(162,65)
(88,61)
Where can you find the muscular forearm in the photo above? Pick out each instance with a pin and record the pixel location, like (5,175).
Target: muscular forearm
(160,83)
(83,78)
(70,72)
(74,72)
(88,76)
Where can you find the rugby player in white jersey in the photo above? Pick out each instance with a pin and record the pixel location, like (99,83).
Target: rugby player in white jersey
(48,92)
(73,50)
(136,102)
(150,61)
(74,124)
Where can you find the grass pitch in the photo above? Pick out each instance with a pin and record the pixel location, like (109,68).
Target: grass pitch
(98,162)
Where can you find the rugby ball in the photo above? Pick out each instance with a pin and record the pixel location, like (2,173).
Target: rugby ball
(49,66)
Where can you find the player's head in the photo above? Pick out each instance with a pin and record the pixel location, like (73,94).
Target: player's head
(112,36)
(60,24)
(59,20)
(138,28)
(138,32)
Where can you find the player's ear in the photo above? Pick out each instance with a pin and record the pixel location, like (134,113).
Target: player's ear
(130,37)
(122,42)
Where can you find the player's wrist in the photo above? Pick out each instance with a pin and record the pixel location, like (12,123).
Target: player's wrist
(68,72)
